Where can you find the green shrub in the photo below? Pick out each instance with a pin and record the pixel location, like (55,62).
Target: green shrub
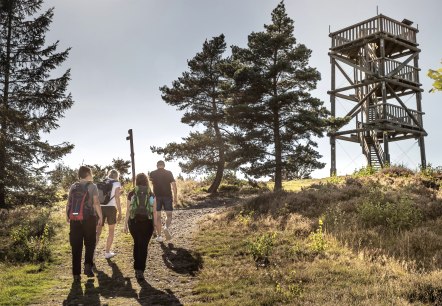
(431,172)
(30,238)
(395,215)
(335,179)
(364,171)
(245,218)
(317,241)
(261,248)
(28,248)
(228,188)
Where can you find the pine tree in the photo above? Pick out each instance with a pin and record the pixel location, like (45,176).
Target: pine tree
(121,166)
(201,93)
(275,116)
(31,100)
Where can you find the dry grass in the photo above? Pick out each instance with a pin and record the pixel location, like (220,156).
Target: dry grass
(380,245)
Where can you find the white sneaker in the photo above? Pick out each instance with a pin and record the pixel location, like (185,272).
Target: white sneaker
(167,233)
(159,239)
(109,255)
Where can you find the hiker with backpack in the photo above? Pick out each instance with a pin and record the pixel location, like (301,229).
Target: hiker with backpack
(140,216)
(163,183)
(82,212)
(109,196)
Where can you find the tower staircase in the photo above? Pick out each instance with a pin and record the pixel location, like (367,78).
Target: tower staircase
(369,141)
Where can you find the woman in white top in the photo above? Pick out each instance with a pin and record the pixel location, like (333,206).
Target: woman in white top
(110,213)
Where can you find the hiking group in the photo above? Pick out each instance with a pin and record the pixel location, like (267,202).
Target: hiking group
(90,206)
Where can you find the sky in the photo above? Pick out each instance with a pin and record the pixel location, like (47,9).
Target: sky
(124,50)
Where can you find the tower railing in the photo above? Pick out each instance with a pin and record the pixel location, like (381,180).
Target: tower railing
(395,114)
(408,73)
(378,24)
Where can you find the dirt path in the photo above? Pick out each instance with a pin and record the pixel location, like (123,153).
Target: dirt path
(170,274)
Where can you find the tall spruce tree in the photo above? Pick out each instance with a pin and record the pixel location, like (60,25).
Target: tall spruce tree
(201,93)
(31,101)
(275,116)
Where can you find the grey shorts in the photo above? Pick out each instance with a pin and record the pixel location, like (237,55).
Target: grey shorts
(109,213)
(164,203)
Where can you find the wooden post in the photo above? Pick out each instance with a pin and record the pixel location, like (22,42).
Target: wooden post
(419,109)
(382,73)
(333,113)
(386,150)
(132,154)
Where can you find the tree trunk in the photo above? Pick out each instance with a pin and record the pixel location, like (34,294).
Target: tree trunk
(221,151)
(218,177)
(276,132)
(4,112)
(278,155)
(221,162)
(220,167)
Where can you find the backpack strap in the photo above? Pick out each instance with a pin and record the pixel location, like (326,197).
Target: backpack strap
(113,181)
(146,200)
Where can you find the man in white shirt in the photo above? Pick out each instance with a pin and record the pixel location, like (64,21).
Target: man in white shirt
(109,211)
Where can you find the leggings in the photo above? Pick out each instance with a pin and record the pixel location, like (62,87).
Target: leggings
(141,232)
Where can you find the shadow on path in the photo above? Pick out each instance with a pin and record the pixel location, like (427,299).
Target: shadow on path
(115,286)
(76,296)
(181,260)
(150,296)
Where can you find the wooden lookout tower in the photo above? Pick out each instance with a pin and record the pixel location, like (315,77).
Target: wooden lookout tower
(377,59)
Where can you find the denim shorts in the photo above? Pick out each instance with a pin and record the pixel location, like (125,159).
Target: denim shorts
(164,203)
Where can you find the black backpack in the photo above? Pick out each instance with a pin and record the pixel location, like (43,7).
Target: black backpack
(78,199)
(104,191)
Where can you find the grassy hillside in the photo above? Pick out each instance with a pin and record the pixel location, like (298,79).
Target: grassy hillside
(357,240)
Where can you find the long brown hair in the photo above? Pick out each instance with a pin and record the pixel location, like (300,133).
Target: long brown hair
(141,180)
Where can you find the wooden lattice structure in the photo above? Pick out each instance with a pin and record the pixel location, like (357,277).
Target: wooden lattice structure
(382,55)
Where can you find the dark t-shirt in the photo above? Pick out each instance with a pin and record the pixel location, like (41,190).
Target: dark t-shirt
(161,180)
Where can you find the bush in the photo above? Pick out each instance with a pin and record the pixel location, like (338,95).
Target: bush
(228,188)
(364,171)
(28,248)
(317,241)
(28,236)
(261,248)
(395,215)
(397,171)
(245,218)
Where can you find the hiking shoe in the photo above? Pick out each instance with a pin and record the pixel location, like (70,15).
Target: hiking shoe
(139,274)
(88,270)
(159,239)
(109,255)
(77,278)
(167,233)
